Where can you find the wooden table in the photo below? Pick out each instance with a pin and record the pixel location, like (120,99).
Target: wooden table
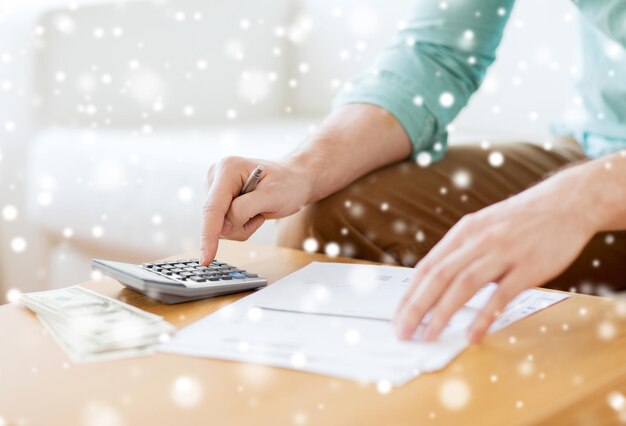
(558,366)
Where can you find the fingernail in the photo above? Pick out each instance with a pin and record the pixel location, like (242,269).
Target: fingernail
(427,334)
(405,332)
(202,256)
(404,335)
(399,329)
(228,226)
(399,333)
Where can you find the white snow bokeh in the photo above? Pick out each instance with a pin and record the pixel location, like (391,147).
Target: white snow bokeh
(186,391)
(185,194)
(300,29)
(310,245)
(97,231)
(454,394)
(254,375)
(64,23)
(145,84)
(9,212)
(384,386)
(100,413)
(363,21)
(13,295)
(525,368)
(18,244)
(606,330)
(424,159)
(446,99)
(300,418)
(462,179)
(332,249)
(298,360)
(617,402)
(352,336)
(255,314)
(496,159)
(254,85)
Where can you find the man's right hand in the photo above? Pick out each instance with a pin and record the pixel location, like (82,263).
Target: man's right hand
(283,190)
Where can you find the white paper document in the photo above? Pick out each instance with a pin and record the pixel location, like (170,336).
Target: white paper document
(335,319)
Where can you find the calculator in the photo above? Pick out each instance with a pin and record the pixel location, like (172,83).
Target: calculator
(183,280)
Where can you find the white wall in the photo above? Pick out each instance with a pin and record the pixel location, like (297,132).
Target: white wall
(18,101)
(530,84)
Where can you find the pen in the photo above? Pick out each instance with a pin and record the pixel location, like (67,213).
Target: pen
(252,180)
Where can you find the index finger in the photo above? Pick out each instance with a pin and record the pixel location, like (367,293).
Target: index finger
(450,241)
(216,205)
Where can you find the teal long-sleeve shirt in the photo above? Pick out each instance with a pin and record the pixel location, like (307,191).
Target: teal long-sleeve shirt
(427,75)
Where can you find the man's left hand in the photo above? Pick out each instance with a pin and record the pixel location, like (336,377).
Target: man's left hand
(518,243)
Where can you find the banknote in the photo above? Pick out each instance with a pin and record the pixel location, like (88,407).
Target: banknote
(78,301)
(91,327)
(79,354)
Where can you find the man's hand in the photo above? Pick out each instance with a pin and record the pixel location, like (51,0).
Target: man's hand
(352,141)
(284,189)
(518,243)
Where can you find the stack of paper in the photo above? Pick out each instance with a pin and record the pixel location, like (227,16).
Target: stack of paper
(335,319)
(93,327)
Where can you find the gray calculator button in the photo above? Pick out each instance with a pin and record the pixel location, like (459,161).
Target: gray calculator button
(198,279)
(249,275)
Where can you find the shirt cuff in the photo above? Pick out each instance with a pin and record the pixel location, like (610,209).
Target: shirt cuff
(396,95)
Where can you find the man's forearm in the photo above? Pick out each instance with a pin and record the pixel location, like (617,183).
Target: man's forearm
(607,191)
(352,141)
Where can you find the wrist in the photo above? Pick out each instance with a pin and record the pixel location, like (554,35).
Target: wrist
(316,163)
(302,167)
(601,192)
(609,185)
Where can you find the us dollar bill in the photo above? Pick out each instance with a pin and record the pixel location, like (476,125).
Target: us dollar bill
(91,326)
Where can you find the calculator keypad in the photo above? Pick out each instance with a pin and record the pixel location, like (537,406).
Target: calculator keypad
(191,272)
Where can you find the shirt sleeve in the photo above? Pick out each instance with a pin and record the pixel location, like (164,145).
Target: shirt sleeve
(432,67)
(607,15)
